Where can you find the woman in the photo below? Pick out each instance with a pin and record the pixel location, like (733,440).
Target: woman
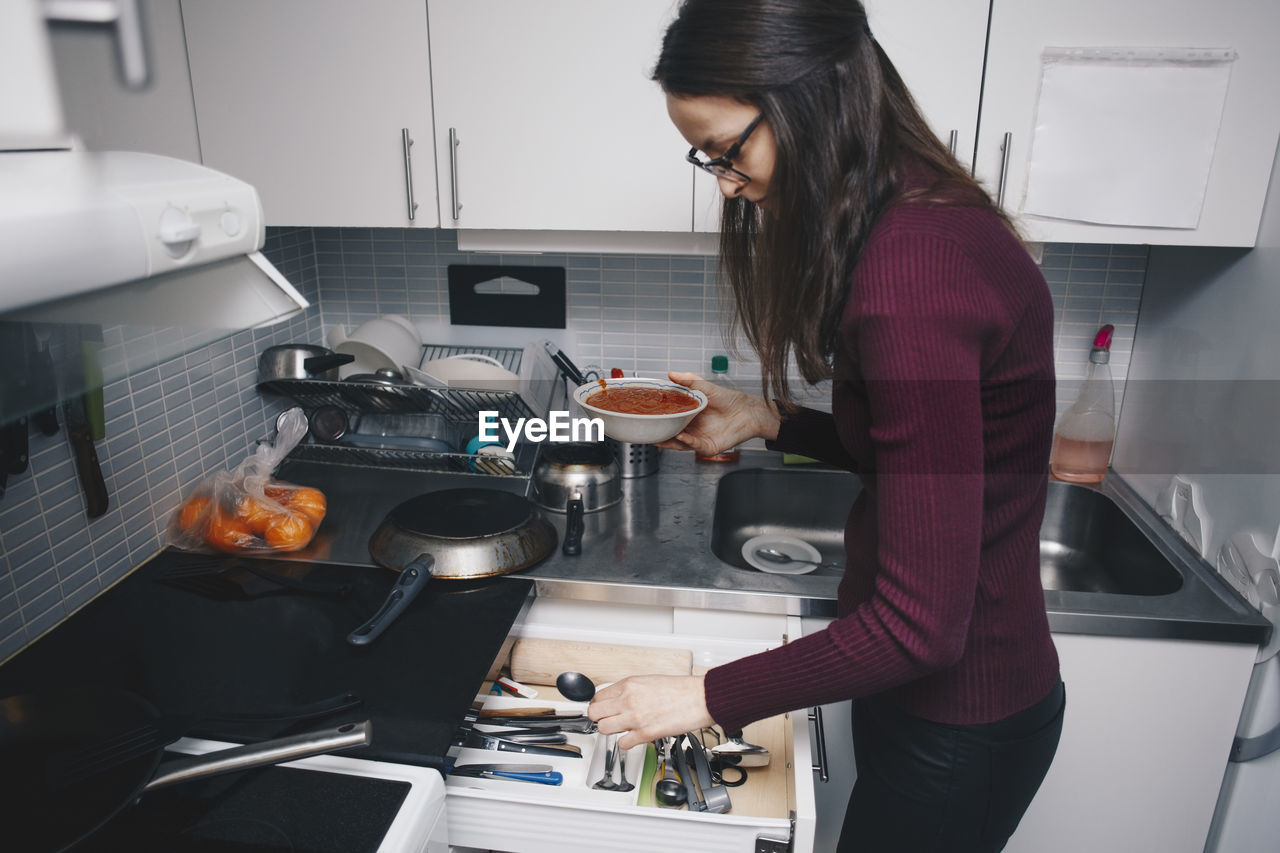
(856,245)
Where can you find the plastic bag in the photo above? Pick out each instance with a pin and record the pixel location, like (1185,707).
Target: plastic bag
(245,511)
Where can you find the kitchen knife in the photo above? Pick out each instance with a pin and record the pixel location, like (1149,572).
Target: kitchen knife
(577,725)
(480,740)
(544,736)
(15,401)
(540,773)
(80,432)
(44,381)
(91,347)
(488,713)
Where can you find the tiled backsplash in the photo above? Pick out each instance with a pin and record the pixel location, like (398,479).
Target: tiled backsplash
(170,426)
(167,427)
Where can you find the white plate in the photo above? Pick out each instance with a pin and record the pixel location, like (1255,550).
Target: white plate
(789,545)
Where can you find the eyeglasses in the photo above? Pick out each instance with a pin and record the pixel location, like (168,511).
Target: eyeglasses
(722,166)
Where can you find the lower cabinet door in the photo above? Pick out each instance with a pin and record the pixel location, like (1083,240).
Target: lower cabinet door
(772,810)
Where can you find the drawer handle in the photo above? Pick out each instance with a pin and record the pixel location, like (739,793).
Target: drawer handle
(952,139)
(820,738)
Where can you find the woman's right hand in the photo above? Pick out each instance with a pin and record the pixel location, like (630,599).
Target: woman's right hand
(730,418)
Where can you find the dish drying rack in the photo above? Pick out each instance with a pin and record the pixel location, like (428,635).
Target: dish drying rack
(459,406)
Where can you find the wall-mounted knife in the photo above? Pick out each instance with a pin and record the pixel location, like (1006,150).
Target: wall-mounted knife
(80,431)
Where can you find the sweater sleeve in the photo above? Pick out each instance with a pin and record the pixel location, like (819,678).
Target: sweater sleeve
(914,325)
(812,433)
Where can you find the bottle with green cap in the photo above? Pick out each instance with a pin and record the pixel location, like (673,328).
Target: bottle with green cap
(720,376)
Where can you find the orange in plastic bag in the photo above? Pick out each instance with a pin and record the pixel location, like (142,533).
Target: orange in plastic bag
(245,511)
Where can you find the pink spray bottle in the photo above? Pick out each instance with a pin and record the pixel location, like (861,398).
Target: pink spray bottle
(1084,436)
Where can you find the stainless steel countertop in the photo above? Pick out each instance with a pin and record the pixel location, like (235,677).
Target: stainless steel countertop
(654,547)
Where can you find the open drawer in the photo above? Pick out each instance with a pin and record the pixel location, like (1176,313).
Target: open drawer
(772,811)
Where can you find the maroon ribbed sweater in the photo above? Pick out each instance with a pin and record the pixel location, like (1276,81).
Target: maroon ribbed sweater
(943,403)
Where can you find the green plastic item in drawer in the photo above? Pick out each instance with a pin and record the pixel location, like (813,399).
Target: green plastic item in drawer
(646,776)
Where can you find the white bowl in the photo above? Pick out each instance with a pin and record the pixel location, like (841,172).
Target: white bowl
(639,429)
(469,370)
(389,341)
(796,549)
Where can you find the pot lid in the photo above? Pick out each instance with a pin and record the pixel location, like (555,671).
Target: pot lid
(595,454)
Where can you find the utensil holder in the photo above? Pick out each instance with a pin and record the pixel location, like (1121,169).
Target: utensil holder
(634,460)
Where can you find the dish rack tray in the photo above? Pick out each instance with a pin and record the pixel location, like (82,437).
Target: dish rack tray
(460,406)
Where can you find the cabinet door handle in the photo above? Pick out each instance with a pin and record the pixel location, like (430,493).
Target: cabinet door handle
(820,740)
(952,139)
(406,142)
(1006,148)
(453,172)
(124,17)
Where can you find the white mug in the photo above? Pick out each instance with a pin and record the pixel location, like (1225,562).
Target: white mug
(389,341)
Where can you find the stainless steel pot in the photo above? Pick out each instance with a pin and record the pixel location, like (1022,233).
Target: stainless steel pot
(300,361)
(453,534)
(576,478)
(586,469)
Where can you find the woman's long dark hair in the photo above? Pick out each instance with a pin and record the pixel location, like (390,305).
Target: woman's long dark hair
(845,124)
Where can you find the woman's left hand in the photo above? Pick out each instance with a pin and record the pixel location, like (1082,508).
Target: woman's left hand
(647,707)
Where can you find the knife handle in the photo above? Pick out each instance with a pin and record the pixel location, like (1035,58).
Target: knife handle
(46,420)
(567,750)
(552,777)
(89,469)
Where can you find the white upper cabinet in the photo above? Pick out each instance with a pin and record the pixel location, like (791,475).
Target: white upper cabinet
(314,103)
(158,119)
(546,118)
(1241,153)
(940,62)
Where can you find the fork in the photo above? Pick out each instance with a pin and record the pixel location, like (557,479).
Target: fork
(71,767)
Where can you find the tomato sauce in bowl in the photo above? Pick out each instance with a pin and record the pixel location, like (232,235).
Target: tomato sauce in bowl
(642,401)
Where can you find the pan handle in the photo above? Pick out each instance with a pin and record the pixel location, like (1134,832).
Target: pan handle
(412,580)
(261,754)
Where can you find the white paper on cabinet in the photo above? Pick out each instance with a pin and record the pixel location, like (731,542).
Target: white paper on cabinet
(1125,136)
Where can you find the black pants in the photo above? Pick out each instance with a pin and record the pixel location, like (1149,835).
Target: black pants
(925,786)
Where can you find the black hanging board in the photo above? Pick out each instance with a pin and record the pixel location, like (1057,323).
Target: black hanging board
(544,309)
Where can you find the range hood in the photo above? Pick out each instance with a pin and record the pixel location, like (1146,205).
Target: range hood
(76,228)
(75,223)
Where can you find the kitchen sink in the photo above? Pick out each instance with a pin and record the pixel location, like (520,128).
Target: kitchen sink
(1087,543)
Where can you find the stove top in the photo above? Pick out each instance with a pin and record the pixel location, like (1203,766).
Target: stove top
(248,643)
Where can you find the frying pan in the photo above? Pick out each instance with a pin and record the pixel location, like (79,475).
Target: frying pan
(453,534)
(38,812)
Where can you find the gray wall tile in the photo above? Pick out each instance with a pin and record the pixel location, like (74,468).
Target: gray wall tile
(170,425)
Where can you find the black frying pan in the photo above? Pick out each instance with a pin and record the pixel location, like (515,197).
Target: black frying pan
(453,534)
(39,811)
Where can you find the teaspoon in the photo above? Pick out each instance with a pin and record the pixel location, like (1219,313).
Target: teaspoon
(774,556)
